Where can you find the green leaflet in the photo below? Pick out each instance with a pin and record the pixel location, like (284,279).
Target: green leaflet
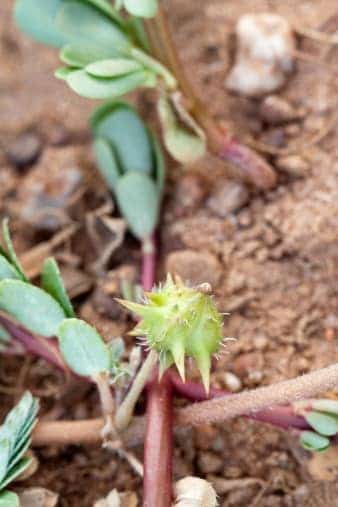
(120,124)
(106,161)
(80,55)
(104,88)
(53,284)
(113,67)
(311,441)
(36,18)
(139,203)
(30,306)
(83,348)
(184,145)
(9,499)
(324,424)
(141,8)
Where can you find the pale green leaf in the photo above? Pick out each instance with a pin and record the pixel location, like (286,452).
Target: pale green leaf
(311,441)
(183,145)
(121,125)
(113,67)
(37,18)
(138,202)
(323,424)
(104,88)
(53,284)
(30,306)
(106,161)
(81,22)
(141,8)
(7,270)
(9,499)
(83,348)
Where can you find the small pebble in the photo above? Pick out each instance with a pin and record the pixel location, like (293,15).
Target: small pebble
(275,110)
(264,58)
(24,150)
(232,382)
(228,198)
(294,165)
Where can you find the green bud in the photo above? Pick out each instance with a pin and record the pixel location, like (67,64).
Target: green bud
(179,321)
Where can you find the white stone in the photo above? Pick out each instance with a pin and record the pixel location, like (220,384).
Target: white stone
(264,58)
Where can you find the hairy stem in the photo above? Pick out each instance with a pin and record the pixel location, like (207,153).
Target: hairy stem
(250,402)
(282,417)
(250,166)
(158,445)
(125,411)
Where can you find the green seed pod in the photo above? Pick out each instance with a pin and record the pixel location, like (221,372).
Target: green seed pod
(179,321)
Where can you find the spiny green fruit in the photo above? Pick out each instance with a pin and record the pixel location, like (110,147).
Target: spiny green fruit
(179,321)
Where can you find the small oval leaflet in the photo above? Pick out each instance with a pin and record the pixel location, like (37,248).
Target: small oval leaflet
(330,406)
(142,8)
(80,55)
(311,441)
(324,424)
(9,499)
(37,310)
(53,284)
(113,67)
(83,348)
(105,88)
(138,201)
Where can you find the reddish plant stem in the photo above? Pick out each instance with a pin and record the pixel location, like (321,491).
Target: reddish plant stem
(158,444)
(148,264)
(39,346)
(250,166)
(282,417)
(159,427)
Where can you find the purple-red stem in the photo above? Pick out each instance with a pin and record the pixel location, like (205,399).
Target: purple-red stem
(39,346)
(157,483)
(148,264)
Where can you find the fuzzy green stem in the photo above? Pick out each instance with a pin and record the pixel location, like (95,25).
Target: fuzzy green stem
(125,411)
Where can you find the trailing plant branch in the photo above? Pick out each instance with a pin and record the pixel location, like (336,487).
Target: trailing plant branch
(251,166)
(250,402)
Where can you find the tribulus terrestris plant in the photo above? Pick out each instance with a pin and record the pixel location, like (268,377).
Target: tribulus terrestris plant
(108,51)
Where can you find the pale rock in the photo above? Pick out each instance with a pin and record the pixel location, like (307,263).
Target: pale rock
(265,45)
